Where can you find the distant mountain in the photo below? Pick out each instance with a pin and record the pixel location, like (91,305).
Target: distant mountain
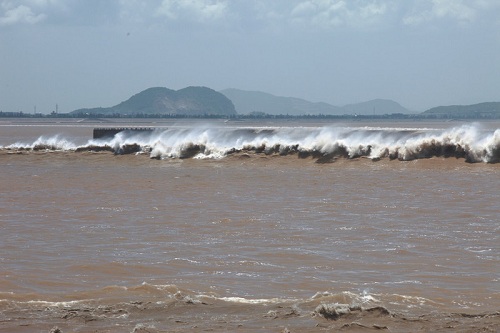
(375,107)
(247,102)
(190,101)
(480,110)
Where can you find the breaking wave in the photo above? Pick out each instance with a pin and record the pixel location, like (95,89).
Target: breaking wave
(325,144)
(153,308)
(164,294)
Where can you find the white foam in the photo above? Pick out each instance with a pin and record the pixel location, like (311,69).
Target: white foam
(205,142)
(253,301)
(53,304)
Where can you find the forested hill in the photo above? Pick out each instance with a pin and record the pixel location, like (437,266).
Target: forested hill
(190,101)
(488,109)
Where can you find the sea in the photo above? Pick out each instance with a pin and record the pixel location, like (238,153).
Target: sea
(249,226)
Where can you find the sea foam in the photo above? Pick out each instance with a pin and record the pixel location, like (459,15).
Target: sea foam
(325,144)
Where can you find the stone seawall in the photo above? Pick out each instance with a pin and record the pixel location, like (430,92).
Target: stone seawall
(102,133)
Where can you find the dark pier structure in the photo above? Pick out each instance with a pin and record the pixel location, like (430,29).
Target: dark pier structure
(106,133)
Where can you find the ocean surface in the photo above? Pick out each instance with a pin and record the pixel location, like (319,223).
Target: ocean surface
(249,226)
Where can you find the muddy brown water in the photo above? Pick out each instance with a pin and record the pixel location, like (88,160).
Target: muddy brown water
(98,242)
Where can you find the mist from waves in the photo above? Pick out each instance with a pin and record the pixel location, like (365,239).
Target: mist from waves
(470,142)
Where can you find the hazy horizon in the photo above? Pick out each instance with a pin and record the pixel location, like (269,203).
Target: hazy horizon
(81,54)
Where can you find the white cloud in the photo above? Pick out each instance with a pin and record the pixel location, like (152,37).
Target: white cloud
(198,10)
(332,13)
(31,11)
(18,14)
(266,10)
(460,10)
(44,3)
(251,14)
(136,10)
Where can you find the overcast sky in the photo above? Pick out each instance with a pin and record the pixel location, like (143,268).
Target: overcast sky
(87,53)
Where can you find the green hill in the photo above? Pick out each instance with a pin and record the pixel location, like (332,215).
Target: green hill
(190,101)
(481,110)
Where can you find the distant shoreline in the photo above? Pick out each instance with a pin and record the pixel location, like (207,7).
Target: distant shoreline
(397,116)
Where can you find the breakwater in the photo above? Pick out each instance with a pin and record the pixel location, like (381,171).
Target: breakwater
(101,133)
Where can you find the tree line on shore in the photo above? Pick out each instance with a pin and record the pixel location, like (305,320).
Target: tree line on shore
(418,116)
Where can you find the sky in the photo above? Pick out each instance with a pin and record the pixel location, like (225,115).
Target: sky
(89,53)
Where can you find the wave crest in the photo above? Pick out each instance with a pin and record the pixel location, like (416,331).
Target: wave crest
(325,144)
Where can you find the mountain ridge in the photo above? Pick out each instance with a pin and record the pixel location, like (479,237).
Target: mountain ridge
(203,101)
(247,102)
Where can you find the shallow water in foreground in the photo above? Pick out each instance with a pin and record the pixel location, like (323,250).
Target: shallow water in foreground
(93,241)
